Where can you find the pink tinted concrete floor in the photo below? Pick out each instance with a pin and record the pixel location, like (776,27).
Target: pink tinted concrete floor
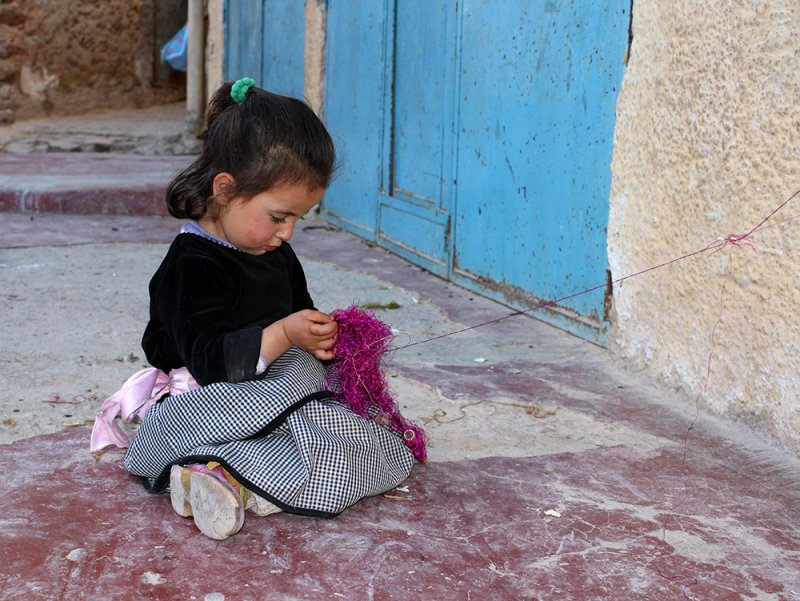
(19,230)
(80,528)
(698,516)
(86,183)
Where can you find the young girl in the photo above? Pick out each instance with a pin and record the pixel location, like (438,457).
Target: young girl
(230,314)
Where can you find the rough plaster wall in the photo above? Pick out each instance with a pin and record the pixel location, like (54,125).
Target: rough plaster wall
(314,80)
(708,144)
(73,56)
(215,47)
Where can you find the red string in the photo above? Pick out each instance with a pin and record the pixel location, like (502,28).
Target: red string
(716,245)
(688,580)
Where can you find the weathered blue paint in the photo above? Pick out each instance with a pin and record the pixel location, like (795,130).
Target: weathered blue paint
(539,86)
(417,107)
(354,103)
(264,39)
(243,37)
(476,140)
(414,210)
(395,134)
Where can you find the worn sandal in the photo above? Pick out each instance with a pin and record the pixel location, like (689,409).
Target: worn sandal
(206,495)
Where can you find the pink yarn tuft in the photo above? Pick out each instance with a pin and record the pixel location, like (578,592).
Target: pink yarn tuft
(357,377)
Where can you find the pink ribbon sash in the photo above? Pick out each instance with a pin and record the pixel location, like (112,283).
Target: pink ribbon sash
(135,398)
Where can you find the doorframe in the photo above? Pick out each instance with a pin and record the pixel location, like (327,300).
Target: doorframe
(441,212)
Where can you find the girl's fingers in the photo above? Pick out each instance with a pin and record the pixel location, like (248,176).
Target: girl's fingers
(323,355)
(317,316)
(323,329)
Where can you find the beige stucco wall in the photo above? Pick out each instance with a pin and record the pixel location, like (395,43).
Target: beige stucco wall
(215,47)
(707,144)
(314,80)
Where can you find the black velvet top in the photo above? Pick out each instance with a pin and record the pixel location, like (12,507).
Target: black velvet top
(209,304)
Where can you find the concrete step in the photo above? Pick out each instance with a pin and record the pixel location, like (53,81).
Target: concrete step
(101,163)
(84,183)
(152,131)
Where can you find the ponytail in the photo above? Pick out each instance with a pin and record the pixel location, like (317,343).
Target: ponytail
(263,139)
(189,193)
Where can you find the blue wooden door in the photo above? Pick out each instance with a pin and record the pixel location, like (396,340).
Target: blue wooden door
(538,90)
(355,95)
(476,140)
(395,135)
(414,206)
(264,39)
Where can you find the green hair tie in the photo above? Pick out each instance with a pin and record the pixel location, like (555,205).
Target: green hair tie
(240,88)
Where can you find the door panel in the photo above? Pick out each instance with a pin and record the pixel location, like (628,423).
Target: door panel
(354,112)
(419,97)
(539,85)
(283,47)
(476,141)
(264,39)
(244,20)
(413,216)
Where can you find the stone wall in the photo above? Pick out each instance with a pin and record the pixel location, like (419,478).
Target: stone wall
(75,56)
(707,144)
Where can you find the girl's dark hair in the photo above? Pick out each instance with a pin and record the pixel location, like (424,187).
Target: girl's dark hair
(265,140)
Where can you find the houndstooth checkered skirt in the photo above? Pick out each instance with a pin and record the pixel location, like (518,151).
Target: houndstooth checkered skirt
(282,437)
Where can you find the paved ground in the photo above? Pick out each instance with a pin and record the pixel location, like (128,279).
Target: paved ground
(154,131)
(553,473)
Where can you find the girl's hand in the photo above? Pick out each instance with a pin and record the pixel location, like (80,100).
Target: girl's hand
(313,331)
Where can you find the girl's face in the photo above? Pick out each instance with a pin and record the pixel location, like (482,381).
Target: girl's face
(261,224)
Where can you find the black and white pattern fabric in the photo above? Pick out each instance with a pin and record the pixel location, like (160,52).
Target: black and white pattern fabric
(283,437)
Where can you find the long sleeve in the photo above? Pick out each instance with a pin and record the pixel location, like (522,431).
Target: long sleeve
(209,305)
(193,303)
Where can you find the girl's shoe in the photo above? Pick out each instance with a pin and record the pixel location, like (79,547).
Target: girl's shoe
(206,495)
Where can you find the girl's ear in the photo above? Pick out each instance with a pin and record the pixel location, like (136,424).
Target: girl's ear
(221,188)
